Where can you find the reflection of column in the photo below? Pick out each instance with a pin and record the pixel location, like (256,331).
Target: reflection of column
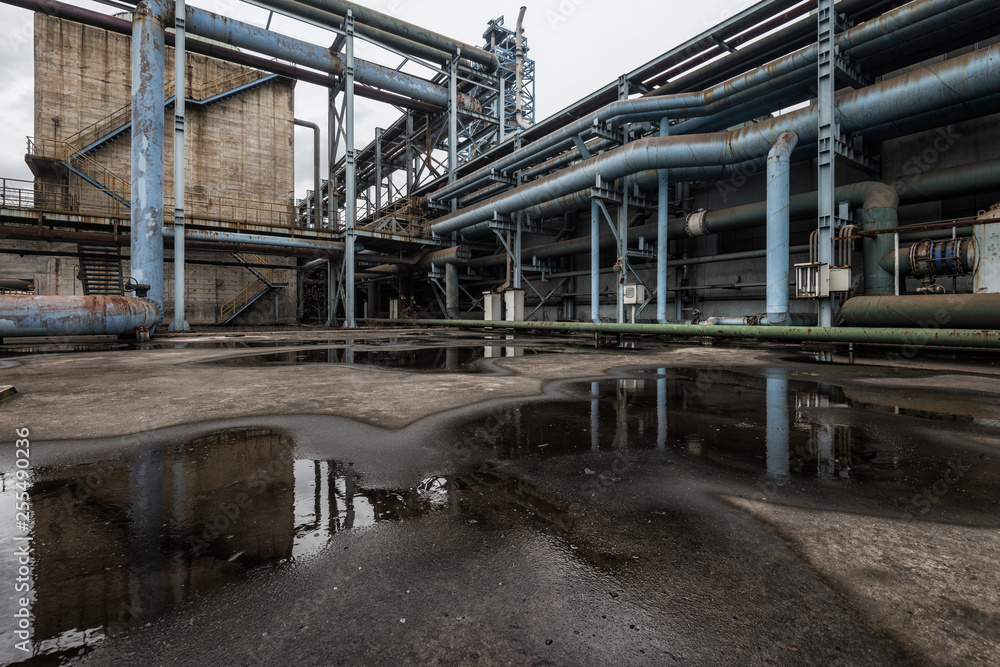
(318,492)
(451,358)
(331,495)
(824,442)
(595,398)
(146,574)
(349,497)
(178,512)
(349,352)
(661,408)
(777,423)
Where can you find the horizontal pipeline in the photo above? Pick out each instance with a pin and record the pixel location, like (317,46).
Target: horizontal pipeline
(905,337)
(26,315)
(327,247)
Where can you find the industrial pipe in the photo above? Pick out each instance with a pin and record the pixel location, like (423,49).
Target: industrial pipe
(778,224)
(26,315)
(451,291)
(689,104)
(325,247)
(369,17)
(880,211)
(929,311)
(941,84)
(221,52)
(180,80)
(928,259)
(317,219)
(885,336)
(246,36)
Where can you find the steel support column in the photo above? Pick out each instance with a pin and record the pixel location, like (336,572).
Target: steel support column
(662,220)
(350,186)
(595,262)
(179,323)
(148,57)
(829,133)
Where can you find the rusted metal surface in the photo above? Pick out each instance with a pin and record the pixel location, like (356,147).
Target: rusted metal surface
(23,315)
(981,311)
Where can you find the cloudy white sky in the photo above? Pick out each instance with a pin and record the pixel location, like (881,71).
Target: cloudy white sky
(578,46)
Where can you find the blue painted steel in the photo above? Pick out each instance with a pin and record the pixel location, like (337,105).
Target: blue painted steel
(595,262)
(768,80)
(662,220)
(973,75)
(148,49)
(325,247)
(26,315)
(276,45)
(778,219)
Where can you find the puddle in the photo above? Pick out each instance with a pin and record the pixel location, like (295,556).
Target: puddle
(779,429)
(450,358)
(120,542)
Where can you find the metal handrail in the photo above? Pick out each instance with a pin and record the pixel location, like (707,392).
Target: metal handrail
(244,297)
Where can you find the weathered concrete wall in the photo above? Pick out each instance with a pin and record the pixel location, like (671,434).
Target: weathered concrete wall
(239,157)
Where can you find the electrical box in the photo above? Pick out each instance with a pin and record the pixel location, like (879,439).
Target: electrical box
(635,295)
(493,306)
(840,279)
(393,309)
(812,280)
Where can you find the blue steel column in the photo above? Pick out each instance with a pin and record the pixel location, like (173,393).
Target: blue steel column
(179,323)
(778,219)
(663,217)
(148,56)
(829,132)
(349,175)
(595,262)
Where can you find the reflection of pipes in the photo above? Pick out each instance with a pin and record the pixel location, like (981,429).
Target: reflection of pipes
(945,337)
(661,408)
(777,424)
(963,311)
(595,416)
(317,196)
(519,71)
(778,221)
(26,315)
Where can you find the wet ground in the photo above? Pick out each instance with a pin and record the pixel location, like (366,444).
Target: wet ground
(664,505)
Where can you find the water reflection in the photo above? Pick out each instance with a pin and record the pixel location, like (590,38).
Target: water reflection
(785,425)
(449,359)
(120,542)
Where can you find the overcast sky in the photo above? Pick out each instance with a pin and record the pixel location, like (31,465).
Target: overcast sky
(578,46)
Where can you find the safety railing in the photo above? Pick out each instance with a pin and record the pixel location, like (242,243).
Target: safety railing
(245,296)
(401,218)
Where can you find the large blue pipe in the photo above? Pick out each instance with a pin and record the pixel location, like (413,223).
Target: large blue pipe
(778,219)
(26,315)
(943,84)
(767,80)
(276,45)
(148,49)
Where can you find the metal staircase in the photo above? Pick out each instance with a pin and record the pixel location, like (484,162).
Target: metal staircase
(266,281)
(74,151)
(101,269)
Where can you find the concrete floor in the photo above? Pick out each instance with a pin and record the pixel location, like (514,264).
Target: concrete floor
(512,531)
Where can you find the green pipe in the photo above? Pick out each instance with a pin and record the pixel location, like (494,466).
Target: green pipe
(925,310)
(907,337)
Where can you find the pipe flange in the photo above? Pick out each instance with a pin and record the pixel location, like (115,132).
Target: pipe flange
(694,224)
